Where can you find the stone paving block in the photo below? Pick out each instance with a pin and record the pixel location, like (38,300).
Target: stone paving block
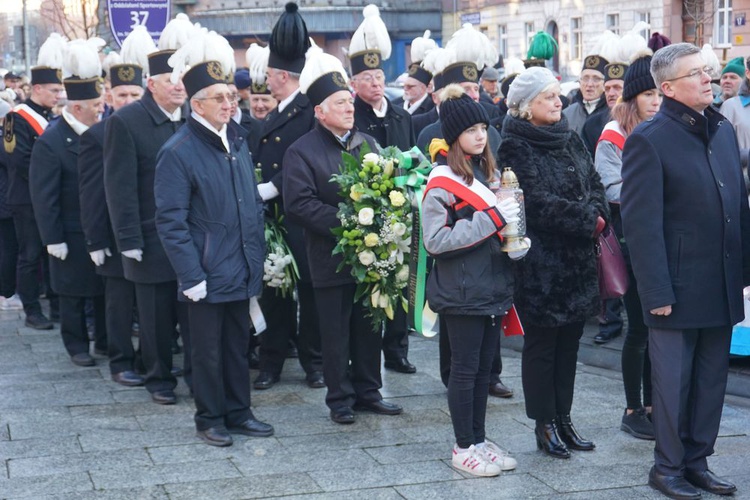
(39,447)
(145,493)
(420,434)
(594,477)
(101,440)
(128,410)
(244,488)
(608,494)
(19,367)
(4,432)
(411,453)
(384,475)
(280,461)
(46,427)
(410,418)
(179,419)
(16,379)
(78,462)
(199,451)
(370,494)
(356,439)
(186,472)
(125,395)
(22,487)
(504,486)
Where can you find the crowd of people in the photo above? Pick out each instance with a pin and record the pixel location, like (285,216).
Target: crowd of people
(134,191)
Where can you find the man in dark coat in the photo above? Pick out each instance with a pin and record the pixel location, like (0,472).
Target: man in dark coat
(686,220)
(119,293)
(291,119)
(351,349)
(132,138)
(53,185)
(210,220)
(590,99)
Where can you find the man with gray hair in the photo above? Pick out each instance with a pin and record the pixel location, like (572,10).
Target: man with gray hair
(686,220)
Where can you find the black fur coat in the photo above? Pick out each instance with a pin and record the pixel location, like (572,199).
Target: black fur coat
(556,283)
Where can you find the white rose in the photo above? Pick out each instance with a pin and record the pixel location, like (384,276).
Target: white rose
(383,301)
(370,159)
(399,229)
(403,274)
(366,258)
(365,216)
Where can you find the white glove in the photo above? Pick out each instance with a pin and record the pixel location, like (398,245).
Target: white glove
(518,254)
(509,209)
(267,191)
(59,250)
(135,253)
(98,256)
(197,292)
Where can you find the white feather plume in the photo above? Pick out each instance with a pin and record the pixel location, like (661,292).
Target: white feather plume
(372,34)
(513,66)
(437,59)
(471,45)
(82,60)
(137,46)
(633,42)
(176,33)
(110,60)
(708,55)
(52,51)
(420,46)
(202,46)
(217,48)
(257,62)
(319,63)
(606,45)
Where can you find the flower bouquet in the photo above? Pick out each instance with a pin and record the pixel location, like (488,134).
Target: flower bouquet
(375,231)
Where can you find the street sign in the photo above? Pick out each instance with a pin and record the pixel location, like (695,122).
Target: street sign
(471,17)
(124,15)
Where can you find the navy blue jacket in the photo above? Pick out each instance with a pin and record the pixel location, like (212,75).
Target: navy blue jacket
(209,214)
(686,219)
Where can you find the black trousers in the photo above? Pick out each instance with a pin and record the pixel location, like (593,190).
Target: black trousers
(396,336)
(281,323)
(351,349)
(548,369)
(610,320)
(473,345)
(75,337)
(689,375)
(636,367)
(8,257)
(157,317)
(119,296)
(221,376)
(30,256)
(444,349)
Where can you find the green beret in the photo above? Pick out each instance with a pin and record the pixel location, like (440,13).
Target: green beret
(736,65)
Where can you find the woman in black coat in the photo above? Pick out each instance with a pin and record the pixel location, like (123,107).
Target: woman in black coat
(556,284)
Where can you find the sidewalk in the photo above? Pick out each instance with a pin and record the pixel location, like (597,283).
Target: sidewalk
(70,433)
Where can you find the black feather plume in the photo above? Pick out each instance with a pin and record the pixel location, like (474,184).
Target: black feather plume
(289,38)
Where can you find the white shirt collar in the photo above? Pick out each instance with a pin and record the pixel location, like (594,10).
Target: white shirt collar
(174,117)
(283,104)
(237,116)
(383,109)
(221,133)
(591,105)
(78,127)
(413,107)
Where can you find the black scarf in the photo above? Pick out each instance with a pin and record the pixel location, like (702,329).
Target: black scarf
(554,136)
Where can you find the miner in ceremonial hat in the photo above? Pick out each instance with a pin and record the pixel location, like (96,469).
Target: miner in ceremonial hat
(416,99)
(351,349)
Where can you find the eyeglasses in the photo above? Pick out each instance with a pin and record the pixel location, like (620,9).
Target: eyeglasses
(591,79)
(220,98)
(379,78)
(696,72)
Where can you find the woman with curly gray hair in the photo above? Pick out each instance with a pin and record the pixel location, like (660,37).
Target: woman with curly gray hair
(556,284)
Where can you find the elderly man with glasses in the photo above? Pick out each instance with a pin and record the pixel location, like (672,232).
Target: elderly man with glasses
(590,98)
(686,220)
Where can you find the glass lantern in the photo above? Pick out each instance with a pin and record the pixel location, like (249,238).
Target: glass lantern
(514,233)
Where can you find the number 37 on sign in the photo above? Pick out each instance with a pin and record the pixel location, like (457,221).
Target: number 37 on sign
(125,15)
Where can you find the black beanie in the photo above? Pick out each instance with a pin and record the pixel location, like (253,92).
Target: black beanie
(638,78)
(458,112)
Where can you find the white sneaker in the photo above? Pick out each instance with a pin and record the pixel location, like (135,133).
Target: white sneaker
(11,304)
(496,455)
(473,462)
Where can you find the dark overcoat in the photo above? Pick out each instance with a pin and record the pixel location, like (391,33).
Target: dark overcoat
(425,106)
(557,282)
(393,130)
(132,138)
(53,184)
(420,122)
(686,219)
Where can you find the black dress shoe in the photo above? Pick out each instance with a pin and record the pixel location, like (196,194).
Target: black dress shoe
(38,321)
(343,415)
(500,390)
(707,480)
(315,380)
(672,486)
(570,435)
(604,337)
(549,441)
(264,381)
(215,436)
(252,427)
(166,397)
(401,365)
(380,407)
(128,378)
(253,360)
(82,359)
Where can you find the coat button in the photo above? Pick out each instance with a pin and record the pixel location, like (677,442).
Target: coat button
(721,184)
(275,165)
(572,168)
(277,139)
(727,255)
(728,219)
(258,165)
(265,141)
(580,197)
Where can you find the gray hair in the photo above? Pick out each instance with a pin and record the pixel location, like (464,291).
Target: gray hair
(663,62)
(523,111)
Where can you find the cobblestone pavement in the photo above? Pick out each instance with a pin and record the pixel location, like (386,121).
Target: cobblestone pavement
(69,432)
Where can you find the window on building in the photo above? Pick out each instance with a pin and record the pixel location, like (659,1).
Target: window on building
(529,34)
(502,39)
(576,38)
(613,23)
(646,18)
(723,32)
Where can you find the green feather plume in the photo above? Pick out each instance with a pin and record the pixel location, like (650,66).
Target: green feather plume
(543,46)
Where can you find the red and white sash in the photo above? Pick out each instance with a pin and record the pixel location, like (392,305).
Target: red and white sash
(613,133)
(37,121)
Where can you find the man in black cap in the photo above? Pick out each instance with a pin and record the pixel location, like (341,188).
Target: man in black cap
(416,99)
(589,99)
(291,119)
(242,82)
(614,74)
(209,217)
(22,129)
(119,293)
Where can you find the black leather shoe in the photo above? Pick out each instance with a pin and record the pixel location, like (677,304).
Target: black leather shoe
(707,480)
(570,435)
(166,397)
(252,427)
(38,321)
(380,407)
(315,380)
(253,360)
(264,381)
(401,365)
(177,371)
(604,337)
(82,359)
(101,352)
(343,415)
(672,486)
(549,441)
(500,390)
(128,378)
(215,436)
